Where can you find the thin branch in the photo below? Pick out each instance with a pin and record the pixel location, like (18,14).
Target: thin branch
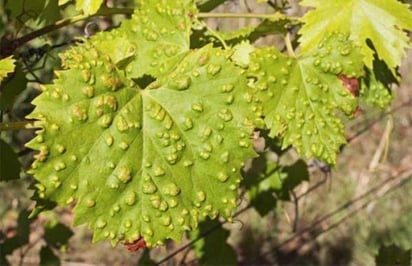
(202,235)
(289,46)
(351,213)
(367,127)
(296,207)
(8,47)
(399,178)
(216,35)
(241,15)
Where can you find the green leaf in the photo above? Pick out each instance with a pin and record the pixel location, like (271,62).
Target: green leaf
(149,163)
(295,175)
(266,186)
(47,257)
(261,184)
(89,7)
(212,249)
(63,2)
(13,87)
(39,11)
(20,239)
(375,88)
(298,96)
(57,234)
(6,67)
(380,21)
(208,5)
(154,40)
(375,92)
(393,255)
(9,163)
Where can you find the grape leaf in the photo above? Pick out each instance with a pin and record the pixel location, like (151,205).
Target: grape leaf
(295,174)
(38,11)
(213,248)
(375,88)
(155,39)
(47,257)
(298,96)
(57,234)
(89,7)
(142,163)
(6,67)
(208,5)
(375,92)
(261,185)
(13,87)
(380,21)
(393,255)
(9,163)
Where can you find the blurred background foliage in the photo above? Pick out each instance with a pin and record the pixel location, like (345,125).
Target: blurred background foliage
(291,212)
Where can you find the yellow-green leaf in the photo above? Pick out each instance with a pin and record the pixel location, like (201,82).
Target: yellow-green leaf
(382,22)
(6,67)
(89,7)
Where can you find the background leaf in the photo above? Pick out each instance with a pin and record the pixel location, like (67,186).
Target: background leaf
(6,67)
(11,88)
(213,249)
(57,234)
(393,255)
(89,7)
(9,163)
(47,257)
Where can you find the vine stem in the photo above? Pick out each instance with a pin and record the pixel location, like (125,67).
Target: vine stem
(215,34)
(289,46)
(16,125)
(240,15)
(8,47)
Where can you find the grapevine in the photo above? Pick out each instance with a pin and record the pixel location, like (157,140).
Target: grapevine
(146,128)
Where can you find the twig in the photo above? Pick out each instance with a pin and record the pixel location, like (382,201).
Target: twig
(241,15)
(289,46)
(8,47)
(367,127)
(382,149)
(296,205)
(353,212)
(400,178)
(202,235)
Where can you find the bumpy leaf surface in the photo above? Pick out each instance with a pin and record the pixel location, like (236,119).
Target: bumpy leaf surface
(154,40)
(298,96)
(142,163)
(375,92)
(6,67)
(380,21)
